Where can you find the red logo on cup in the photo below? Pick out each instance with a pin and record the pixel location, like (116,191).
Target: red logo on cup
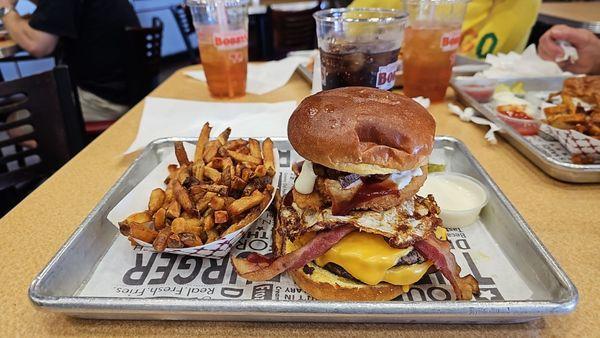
(450,40)
(231,40)
(386,76)
(236,57)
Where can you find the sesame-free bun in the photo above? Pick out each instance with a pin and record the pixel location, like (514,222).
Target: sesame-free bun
(362,130)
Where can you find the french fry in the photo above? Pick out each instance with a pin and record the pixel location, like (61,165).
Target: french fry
(237,183)
(160,242)
(180,153)
(226,176)
(222,152)
(221,216)
(190,240)
(174,210)
(267,149)
(212,235)
(182,196)
(246,174)
(254,146)
(217,203)
(249,189)
(181,224)
(160,218)
(260,171)
(249,218)
(138,231)
(202,140)
(236,144)
(209,222)
(139,217)
(244,150)
(245,203)
(211,150)
(216,163)
(244,158)
(169,197)
(224,136)
(198,170)
(187,215)
(213,174)
(202,204)
(157,198)
(182,174)
(174,241)
(266,199)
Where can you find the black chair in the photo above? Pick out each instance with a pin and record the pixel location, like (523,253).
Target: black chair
(41,128)
(292,30)
(143,60)
(185,23)
(143,67)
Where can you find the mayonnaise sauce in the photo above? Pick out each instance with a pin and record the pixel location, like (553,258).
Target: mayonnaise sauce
(305,183)
(453,193)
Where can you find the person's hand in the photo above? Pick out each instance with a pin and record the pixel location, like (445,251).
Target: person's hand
(586,43)
(8,3)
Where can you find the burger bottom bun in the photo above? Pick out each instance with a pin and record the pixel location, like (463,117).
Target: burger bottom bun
(324,285)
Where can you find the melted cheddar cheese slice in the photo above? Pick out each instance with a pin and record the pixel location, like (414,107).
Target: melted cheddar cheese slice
(369,258)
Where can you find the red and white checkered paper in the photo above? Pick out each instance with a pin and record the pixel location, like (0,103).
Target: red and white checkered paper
(574,141)
(137,200)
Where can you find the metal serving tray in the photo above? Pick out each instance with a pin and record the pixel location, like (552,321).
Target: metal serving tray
(554,159)
(58,287)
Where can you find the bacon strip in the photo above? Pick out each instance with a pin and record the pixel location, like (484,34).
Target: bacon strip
(257,267)
(439,253)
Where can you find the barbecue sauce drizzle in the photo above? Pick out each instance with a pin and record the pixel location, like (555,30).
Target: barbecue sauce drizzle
(370,188)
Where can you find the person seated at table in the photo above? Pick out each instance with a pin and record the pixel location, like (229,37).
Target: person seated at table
(489,27)
(585,42)
(93,43)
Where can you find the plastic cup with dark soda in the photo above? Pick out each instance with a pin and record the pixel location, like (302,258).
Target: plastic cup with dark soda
(222,30)
(359,46)
(430,45)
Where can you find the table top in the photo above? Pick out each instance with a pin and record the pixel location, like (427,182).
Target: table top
(583,14)
(564,216)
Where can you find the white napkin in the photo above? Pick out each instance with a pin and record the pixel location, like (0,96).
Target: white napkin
(423,101)
(317,84)
(169,117)
(265,77)
(468,115)
(569,52)
(514,65)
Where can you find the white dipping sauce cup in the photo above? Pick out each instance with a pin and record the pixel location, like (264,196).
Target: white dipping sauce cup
(460,197)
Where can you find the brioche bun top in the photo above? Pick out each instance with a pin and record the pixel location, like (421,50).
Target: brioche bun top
(362,130)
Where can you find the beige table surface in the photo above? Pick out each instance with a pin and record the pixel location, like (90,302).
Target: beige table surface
(564,216)
(575,11)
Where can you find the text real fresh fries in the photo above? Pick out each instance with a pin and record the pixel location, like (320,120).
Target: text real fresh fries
(225,186)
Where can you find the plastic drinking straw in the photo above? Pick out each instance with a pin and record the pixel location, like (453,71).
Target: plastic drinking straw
(224,28)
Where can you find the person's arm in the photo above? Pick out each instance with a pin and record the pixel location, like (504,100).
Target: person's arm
(36,42)
(586,43)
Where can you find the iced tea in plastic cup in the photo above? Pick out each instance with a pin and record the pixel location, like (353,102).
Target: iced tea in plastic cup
(359,46)
(430,45)
(222,30)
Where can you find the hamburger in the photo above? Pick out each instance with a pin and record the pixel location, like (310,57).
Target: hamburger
(353,226)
